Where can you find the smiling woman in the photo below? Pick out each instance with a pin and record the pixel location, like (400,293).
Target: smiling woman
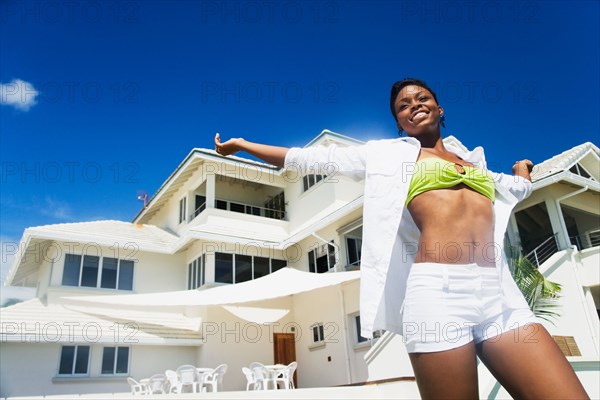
(433,267)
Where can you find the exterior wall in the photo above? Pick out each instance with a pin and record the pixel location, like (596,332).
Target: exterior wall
(237,342)
(326,364)
(308,207)
(575,317)
(152,272)
(22,376)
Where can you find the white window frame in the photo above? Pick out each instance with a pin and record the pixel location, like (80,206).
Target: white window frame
(306,181)
(100,269)
(182,209)
(356,339)
(77,346)
(196,272)
(116,355)
(317,252)
(271,259)
(320,331)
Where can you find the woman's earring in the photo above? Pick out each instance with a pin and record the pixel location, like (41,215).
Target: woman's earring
(443,121)
(400,132)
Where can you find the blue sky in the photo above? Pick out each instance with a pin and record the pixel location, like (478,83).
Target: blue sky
(103,99)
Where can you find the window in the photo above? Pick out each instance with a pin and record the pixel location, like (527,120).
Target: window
(182,209)
(115,360)
(74,360)
(237,268)
(318,333)
(580,170)
(353,246)
(360,339)
(200,205)
(321,259)
(94,271)
(275,207)
(196,273)
(310,180)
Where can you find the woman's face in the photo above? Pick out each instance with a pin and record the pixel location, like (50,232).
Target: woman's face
(417,111)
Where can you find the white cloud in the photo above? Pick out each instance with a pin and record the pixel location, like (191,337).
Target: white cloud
(19,94)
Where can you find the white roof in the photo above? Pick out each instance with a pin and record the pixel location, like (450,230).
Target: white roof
(109,231)
(34,321)
(285,282)
(563,161)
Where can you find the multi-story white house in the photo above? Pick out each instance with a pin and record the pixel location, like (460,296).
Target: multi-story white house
(199,277)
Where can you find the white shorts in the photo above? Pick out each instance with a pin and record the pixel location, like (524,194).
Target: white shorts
(448,306)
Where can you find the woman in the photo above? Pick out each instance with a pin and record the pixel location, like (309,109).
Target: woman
(433,266)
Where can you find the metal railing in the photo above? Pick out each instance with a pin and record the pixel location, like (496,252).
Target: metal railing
(242,208)
(543,251)
(586,240)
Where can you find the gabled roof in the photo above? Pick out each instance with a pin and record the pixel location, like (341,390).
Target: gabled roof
(34,321)
(587,153)
(119,234)
(184,171)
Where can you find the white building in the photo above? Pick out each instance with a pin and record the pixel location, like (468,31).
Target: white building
(179,285)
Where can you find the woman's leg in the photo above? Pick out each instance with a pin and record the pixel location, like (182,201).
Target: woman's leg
(450,374)
(529,364)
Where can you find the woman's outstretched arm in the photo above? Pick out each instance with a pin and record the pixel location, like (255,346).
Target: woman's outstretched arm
(272,154)
(523,168)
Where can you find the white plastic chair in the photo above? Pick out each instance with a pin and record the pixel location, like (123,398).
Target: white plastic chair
(173,381)
(136,387)
(214,379)
(157,384)
(187,376)
(250,378)
(287,376)
(262,376)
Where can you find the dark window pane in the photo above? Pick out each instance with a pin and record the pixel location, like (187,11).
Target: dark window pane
(322,265)
(277,265)
(352,253)
(311,180)
(81,360)
(261,267)
(71,270)
(316,334)
(331,256)
(190,276)
(305,183)
(126,275)
(108,360)
(360,338)
(237,207)
(221,205)
(66,360)
(89,273)
(194,274)
(321,332)
(223,268)
(311,261)
(122,360)
(203,270)
(243,268)
(109,273)
(318,178)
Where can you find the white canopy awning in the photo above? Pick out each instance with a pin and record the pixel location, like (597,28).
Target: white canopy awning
(285,282)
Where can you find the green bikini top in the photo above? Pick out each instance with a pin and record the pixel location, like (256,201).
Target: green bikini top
(434,173)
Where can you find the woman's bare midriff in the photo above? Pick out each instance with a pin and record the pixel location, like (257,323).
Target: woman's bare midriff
(457,227)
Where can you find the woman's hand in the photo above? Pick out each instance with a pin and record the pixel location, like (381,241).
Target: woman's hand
(523,168)
(231,146)
(272,154)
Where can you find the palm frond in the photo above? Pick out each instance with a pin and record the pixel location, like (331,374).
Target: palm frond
(541,294)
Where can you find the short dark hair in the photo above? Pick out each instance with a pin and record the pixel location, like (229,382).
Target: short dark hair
(398,86)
